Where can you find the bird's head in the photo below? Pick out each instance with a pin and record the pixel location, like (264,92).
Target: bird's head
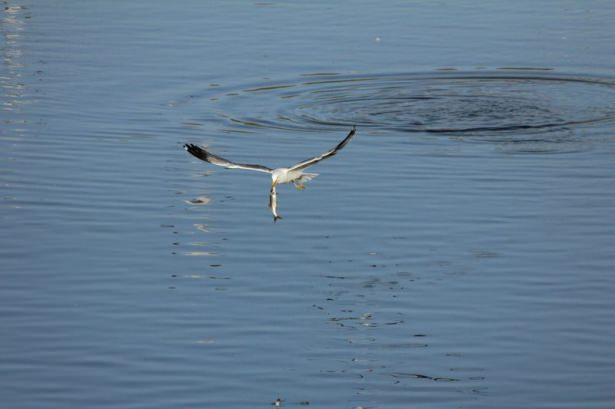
(274,179)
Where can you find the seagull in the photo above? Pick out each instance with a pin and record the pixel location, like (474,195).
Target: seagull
(293,174)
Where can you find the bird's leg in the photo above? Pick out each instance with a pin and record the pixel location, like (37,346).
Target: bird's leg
(299,186)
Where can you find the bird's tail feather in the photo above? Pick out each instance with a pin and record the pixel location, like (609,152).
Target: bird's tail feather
(306,177)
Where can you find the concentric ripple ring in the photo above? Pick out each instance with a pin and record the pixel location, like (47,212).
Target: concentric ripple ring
(457,103)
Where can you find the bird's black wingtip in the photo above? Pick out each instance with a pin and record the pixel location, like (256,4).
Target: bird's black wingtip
(191,148)
(197,151)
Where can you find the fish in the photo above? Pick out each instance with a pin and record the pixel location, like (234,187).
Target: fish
(273,204)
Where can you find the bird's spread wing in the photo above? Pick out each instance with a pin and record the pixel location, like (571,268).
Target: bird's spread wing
(217,160)
(328,154)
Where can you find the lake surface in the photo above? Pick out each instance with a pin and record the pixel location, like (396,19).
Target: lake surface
(458,253)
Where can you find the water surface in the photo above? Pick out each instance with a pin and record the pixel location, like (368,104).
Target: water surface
(457,253)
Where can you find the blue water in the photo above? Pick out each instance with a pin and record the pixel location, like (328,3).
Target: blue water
(457,253)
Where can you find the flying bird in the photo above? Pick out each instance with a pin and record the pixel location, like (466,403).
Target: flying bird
(294,174)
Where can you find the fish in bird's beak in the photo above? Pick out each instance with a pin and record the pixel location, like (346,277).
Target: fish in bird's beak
(273,204)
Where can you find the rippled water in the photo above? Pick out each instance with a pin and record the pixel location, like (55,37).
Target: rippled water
(511,107)
(444,103)
(457,253)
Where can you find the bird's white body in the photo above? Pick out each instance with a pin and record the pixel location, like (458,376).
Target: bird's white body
(286,175)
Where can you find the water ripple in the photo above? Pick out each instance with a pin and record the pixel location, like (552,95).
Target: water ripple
(510,106)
